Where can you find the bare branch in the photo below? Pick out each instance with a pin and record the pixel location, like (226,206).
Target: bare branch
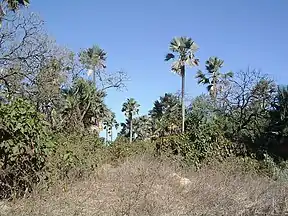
(115,80)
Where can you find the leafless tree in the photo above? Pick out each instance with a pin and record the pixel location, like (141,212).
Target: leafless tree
(246,100)
(25,49)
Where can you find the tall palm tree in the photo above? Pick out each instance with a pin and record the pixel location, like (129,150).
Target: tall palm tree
(214,76)
(93,59)
(184,49)
(130,108)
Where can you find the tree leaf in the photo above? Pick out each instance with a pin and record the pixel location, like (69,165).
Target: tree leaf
(169,56)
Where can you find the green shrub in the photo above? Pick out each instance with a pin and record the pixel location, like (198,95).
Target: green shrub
(274,170)
(75,155)
(205,142)
(122,149)
(24,146)
(208,141)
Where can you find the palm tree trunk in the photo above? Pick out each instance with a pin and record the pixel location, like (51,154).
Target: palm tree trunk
(131,129)
(111,135)
(94,77)
(182,99)
(106,136)
(214,87)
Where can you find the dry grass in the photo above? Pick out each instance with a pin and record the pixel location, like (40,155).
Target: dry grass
(145,186)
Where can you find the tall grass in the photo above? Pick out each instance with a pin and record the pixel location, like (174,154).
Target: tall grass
(144,185)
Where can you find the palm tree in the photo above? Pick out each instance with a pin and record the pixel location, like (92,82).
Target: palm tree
(106,123)
(130,108)
(142,127)
(275,136)
(184,49)
(279,113)
(84,104)
(214,76)
(109,123)
(166,109)
(94,60)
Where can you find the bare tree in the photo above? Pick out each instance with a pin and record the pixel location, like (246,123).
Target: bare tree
(25,49)
(32,65)
(246,101)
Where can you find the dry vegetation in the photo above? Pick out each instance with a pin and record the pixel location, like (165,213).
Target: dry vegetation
(146,186)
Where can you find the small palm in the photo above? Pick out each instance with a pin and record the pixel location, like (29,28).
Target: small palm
(214,77)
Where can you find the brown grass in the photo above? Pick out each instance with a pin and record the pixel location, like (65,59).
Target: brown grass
(144,186)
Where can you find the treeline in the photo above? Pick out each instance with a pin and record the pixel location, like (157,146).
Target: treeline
(51,115)
(244,113)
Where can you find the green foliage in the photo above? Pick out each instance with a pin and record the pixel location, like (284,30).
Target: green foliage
(166,115)
(209,142)
(15,4)
(122,149)
(109,123)
(245,105)
(279,113)
(24,145)
(93,59)
(245,121)
(130,109)
(185,47)
(142,128)
(83,105)
(275,136)
(214,79)
(274,170)
(201,111)
(204,143)
(76,155)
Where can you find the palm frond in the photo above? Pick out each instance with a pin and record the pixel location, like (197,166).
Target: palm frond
(175,44)
(229,74)
(210,88)
(176,67)
(201,77)
(169,56)
(193,47)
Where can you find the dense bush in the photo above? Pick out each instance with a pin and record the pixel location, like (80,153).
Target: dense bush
(122,149)
(205,143)
(75,155)
(24,146)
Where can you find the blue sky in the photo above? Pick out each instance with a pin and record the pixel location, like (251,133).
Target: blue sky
(136,36)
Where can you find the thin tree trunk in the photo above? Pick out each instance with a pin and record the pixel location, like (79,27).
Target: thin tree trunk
(214,83)
(182,99)
(106,136)
(94,77)
(111,135)
(131,129)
